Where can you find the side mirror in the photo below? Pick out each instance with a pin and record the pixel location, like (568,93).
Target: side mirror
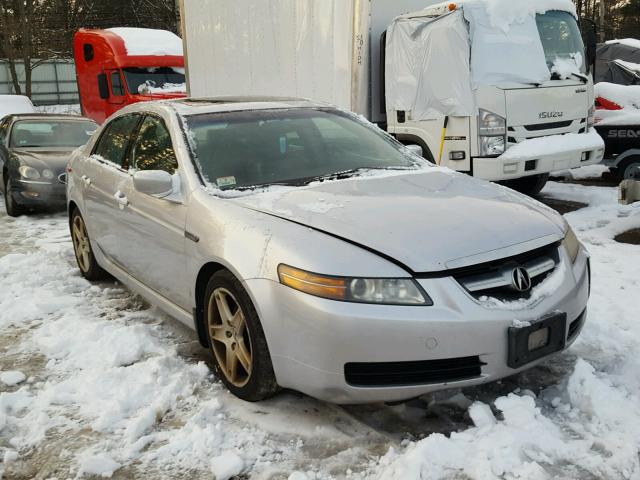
(415,149)
(103,86)
(590,39)
(153,182)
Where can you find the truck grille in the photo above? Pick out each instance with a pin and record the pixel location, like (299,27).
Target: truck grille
(495,279)
(393,374)
(517,134)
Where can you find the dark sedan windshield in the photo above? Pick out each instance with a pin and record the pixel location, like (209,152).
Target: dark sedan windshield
(253,148)
(51,133)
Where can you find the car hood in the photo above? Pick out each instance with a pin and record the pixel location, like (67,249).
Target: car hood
(53,159)
(428,221)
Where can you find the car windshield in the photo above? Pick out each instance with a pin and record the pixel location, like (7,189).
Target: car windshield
(51,133)
(294,146)
(561,39)
(151,80)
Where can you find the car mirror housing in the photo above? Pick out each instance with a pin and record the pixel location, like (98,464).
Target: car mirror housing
(415,149)
(153,182)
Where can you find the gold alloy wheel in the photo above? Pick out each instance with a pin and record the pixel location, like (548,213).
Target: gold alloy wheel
(81,243)
(230,337)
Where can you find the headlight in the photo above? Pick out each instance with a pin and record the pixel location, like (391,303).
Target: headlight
(385,291)
(48,174)
(29,173)
(491,124)
(492,131)
(572,244)
(491,146)
(591,117)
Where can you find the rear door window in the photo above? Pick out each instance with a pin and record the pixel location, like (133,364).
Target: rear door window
(114,143)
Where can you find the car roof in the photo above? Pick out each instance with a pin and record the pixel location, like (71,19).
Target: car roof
(47,116)
(193,106)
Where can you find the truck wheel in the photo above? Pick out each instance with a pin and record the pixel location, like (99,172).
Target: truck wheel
(629,169)
(237,341)
(13,209)
(531,186)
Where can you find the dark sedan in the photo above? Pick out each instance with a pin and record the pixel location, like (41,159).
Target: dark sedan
(34,150)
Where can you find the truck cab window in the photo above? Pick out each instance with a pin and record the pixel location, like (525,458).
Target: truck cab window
(117,89)
(114,142)
(88,52)
(153,149)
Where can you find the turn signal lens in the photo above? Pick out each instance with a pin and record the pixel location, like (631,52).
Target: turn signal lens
(384,291)
(452,7)
(572,244)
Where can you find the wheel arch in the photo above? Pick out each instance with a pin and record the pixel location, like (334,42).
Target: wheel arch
(202,279)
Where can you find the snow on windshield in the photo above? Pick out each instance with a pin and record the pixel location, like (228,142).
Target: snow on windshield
(146,41)
(503,14)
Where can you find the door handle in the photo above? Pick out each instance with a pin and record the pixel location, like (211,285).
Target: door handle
(122,199)
(86,180)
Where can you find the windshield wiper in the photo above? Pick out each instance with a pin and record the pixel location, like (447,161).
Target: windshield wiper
(352,172)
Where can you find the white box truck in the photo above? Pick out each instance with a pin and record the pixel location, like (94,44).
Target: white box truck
(498,89)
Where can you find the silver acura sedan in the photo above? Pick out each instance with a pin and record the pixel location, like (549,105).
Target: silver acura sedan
(311,251)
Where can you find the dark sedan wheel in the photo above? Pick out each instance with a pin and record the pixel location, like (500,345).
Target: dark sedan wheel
(87,263)
(236,339)
(13,209)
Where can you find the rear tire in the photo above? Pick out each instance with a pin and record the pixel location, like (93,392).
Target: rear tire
(531,185)
(629,169)
(87,262)
(236,339)
(13,209)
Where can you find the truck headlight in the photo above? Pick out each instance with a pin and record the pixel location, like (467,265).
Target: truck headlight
(492,131)
(28,172)
(572,244)
(490,146)
(383,291)
(491,124)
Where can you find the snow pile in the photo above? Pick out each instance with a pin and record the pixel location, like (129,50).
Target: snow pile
(10,104)
(554,144)
(504,13)
(630,42)
(12,377)
(627,96)
(73,109)
(146,41)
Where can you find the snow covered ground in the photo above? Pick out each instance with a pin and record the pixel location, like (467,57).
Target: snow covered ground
(95,383)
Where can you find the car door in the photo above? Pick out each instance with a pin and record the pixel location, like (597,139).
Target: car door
(105,181)
(152,228)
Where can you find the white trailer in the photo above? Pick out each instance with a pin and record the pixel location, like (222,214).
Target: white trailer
(476,96)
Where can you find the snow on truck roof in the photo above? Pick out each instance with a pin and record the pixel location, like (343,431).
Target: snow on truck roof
(149,42)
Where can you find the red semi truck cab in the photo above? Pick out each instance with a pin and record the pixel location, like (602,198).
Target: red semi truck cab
(121,66)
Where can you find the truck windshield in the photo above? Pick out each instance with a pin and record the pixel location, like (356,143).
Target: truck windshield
(293,147)
(145,81)
(561,40)
(47,133)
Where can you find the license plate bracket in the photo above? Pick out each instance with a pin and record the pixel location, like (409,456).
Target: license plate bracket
(519,353)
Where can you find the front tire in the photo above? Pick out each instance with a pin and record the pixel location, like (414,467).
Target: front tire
(236,340)
(87,262)
(531,185)
(13,209)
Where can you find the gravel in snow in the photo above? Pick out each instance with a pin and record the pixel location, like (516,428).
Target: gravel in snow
(94,383)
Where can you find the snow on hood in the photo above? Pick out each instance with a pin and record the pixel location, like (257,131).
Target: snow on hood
(147,41)
(627,96)
(504,13)
(429,221)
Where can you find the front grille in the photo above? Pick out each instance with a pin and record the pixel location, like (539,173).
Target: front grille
(393,374)
(547,126)
(495,279)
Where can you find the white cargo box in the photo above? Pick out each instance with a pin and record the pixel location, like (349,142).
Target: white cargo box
(326,50)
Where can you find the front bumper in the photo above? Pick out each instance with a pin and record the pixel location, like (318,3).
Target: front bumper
(498,168)
(39,193)
(312,339)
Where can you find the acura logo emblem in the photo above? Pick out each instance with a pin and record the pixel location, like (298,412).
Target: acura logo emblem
(520,280)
